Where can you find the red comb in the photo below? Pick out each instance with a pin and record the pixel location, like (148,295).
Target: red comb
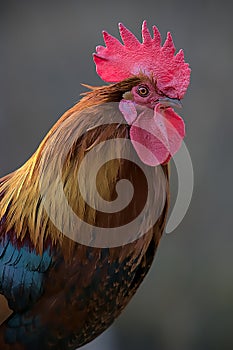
(116,62)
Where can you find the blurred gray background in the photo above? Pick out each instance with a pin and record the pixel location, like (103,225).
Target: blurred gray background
(186,302)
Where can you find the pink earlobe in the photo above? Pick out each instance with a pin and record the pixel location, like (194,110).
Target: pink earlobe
(128,110)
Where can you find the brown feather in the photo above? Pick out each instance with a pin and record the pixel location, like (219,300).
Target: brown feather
(5,310)
(89,286)
(20,190)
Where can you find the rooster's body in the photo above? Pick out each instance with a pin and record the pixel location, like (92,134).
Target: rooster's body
(63,290)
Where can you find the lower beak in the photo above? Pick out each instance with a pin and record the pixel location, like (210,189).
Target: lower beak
(170,102)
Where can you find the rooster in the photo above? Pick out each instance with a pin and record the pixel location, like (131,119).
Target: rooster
(68,266)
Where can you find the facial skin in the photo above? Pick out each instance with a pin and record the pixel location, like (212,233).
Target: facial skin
(148,95)
(145,94)
(156,131)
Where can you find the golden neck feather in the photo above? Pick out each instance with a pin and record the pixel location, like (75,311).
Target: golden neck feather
(20,192)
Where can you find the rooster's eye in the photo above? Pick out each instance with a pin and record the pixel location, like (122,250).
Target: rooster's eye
(143,91)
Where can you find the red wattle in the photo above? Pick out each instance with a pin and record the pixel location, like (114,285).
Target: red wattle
(156,135)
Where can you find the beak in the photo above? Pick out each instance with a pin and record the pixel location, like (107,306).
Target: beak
(170,102)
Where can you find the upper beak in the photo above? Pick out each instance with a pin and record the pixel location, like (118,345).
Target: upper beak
(170,102)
